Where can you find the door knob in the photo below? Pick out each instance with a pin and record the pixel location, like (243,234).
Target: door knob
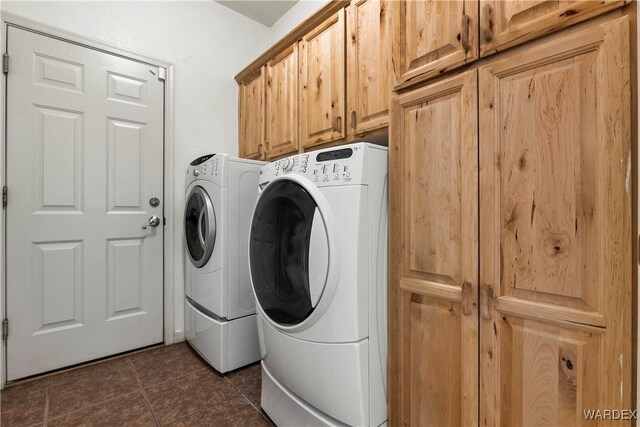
(154,221)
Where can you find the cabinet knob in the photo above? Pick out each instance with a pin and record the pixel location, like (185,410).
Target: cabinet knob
(487,27)
(338,126)
(486,302)
(467,298)
(464,34)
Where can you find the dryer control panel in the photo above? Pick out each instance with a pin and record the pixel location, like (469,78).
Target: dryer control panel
(332,166)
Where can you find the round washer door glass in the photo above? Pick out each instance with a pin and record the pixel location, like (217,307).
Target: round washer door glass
(288,252)
(199,226)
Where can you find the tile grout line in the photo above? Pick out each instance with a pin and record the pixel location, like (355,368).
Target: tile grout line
(46,403)
(144,393)
(258,410)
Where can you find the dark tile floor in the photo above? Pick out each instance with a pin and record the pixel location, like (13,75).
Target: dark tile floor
(161,386)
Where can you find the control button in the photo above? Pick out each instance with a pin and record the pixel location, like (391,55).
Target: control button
(196,172)
(326,178)
(337,176)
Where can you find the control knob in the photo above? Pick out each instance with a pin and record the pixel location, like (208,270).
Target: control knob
(287,165)
(196,172)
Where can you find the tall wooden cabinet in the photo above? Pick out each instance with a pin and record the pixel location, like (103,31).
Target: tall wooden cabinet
(322,82)
(555,241)
(525,317)
(434,232)
(251,116)
(281,134)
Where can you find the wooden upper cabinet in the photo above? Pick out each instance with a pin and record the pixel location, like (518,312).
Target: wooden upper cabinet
(432,36)
(555,242)
(368,65)
(322,82)
(434,255)
(252,116)
(508,23)
(282,104)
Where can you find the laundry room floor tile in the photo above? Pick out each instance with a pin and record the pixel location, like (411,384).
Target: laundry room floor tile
(153,387)
(24,404)
(249,382)
(90,387)
(160,366)
(237,411)
(130,409)
(188,394)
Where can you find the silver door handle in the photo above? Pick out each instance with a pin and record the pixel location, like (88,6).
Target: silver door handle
(154,221)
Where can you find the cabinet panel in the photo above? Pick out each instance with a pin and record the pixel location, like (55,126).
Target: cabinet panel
(555,224)
(282,104)
(434,229)
(252,115)
(508,23)
(368,65)
(322,80)
(433,36)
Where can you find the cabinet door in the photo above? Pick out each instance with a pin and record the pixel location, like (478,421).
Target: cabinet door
(251,113)
(368,65)
(432,36)
(282,104)
(323,82)
(508,23)
(555,242)
(434,255)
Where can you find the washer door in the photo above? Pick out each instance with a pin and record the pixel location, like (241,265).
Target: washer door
(288,252)
(199,226)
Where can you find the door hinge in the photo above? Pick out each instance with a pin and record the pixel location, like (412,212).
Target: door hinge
(5,193)
(5,63)
(162,74)
(5,329)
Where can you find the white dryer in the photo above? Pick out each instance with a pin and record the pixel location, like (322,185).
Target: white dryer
(220,319)
(318,259)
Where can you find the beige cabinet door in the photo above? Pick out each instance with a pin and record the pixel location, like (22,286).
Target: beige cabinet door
(434,255)
(508,23)
(252,116)
(432,36)
(282,104)
(555,234)
(322,82)
(368,65)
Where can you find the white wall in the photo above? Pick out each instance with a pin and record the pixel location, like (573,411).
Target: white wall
(207,42)
(294,16)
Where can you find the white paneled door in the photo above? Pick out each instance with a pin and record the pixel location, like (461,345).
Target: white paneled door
(84,160)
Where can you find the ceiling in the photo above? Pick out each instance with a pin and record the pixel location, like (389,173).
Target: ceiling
(266,12)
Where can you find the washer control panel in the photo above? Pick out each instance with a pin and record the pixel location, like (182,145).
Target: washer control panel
(210,168)
(333,166)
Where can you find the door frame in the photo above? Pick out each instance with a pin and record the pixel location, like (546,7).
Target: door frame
(9,20)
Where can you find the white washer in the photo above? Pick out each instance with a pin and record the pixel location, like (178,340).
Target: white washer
(318,259)
(220,320)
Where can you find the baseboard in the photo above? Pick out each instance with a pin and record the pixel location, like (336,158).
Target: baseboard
(178,336)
